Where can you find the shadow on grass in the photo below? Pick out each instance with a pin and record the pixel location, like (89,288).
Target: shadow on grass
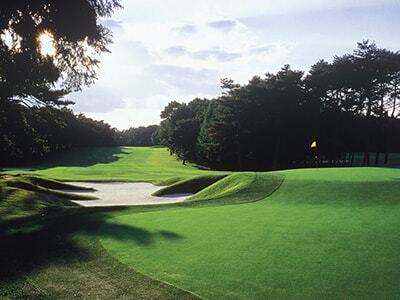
(82,157)
(28,245)
(139,235)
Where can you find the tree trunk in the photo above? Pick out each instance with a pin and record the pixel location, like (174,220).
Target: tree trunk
(394,101)
(377,157)
(367,142)
(386,157)
(276,153)
(366,157)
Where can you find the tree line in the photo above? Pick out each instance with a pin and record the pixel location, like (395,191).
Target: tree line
(34,120)
(28,134)
(346,106)
(139,136)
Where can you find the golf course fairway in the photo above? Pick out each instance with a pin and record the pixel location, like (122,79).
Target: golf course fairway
(325,233)
(329,233)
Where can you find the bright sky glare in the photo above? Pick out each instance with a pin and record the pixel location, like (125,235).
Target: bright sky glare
(179,50)
(46,44)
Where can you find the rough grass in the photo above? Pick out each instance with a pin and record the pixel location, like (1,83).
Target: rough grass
(324,234)
(54,184)
(27,196)
(29,183)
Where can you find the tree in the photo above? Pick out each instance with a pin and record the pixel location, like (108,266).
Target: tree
(48,48)
(27,73)
(365,75)
(166,125)
(270,122)
(140,136)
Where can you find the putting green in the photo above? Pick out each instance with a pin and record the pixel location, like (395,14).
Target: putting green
(325,233)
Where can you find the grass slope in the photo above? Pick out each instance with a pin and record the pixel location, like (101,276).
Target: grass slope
(225,189)
(190,185)
(27,196)
(118,164)
(325,233)
(239,188)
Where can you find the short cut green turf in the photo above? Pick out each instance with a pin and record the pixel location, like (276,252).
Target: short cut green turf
(148,164)
(324,234)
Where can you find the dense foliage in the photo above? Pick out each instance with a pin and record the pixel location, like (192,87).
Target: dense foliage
(30,75)
(49,48)
(140,136)
(27,134)
(348,105)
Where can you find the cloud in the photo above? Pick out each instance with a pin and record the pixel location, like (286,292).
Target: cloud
(97,100)
(262,49)
(185,29)
(216,53)
(204,54)
(224,25)
(176,50)
(187,80)
(160,54)
(111,24)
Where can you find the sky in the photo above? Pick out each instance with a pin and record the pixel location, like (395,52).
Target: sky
(166,50)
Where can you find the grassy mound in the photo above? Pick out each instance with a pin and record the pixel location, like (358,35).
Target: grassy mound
(54,184)
(191,185)
(240,187)
(222,189)
(27,196)
(325,233)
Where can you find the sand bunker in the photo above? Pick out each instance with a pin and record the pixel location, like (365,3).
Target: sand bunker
(124,194)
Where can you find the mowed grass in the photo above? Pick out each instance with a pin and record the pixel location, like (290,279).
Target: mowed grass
(49,247)
(118,164)
(324,234)
(319,233)
(62,258)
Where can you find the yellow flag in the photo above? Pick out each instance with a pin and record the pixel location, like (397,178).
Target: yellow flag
(314,144)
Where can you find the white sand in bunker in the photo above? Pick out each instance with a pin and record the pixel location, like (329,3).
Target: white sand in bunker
(124,194)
